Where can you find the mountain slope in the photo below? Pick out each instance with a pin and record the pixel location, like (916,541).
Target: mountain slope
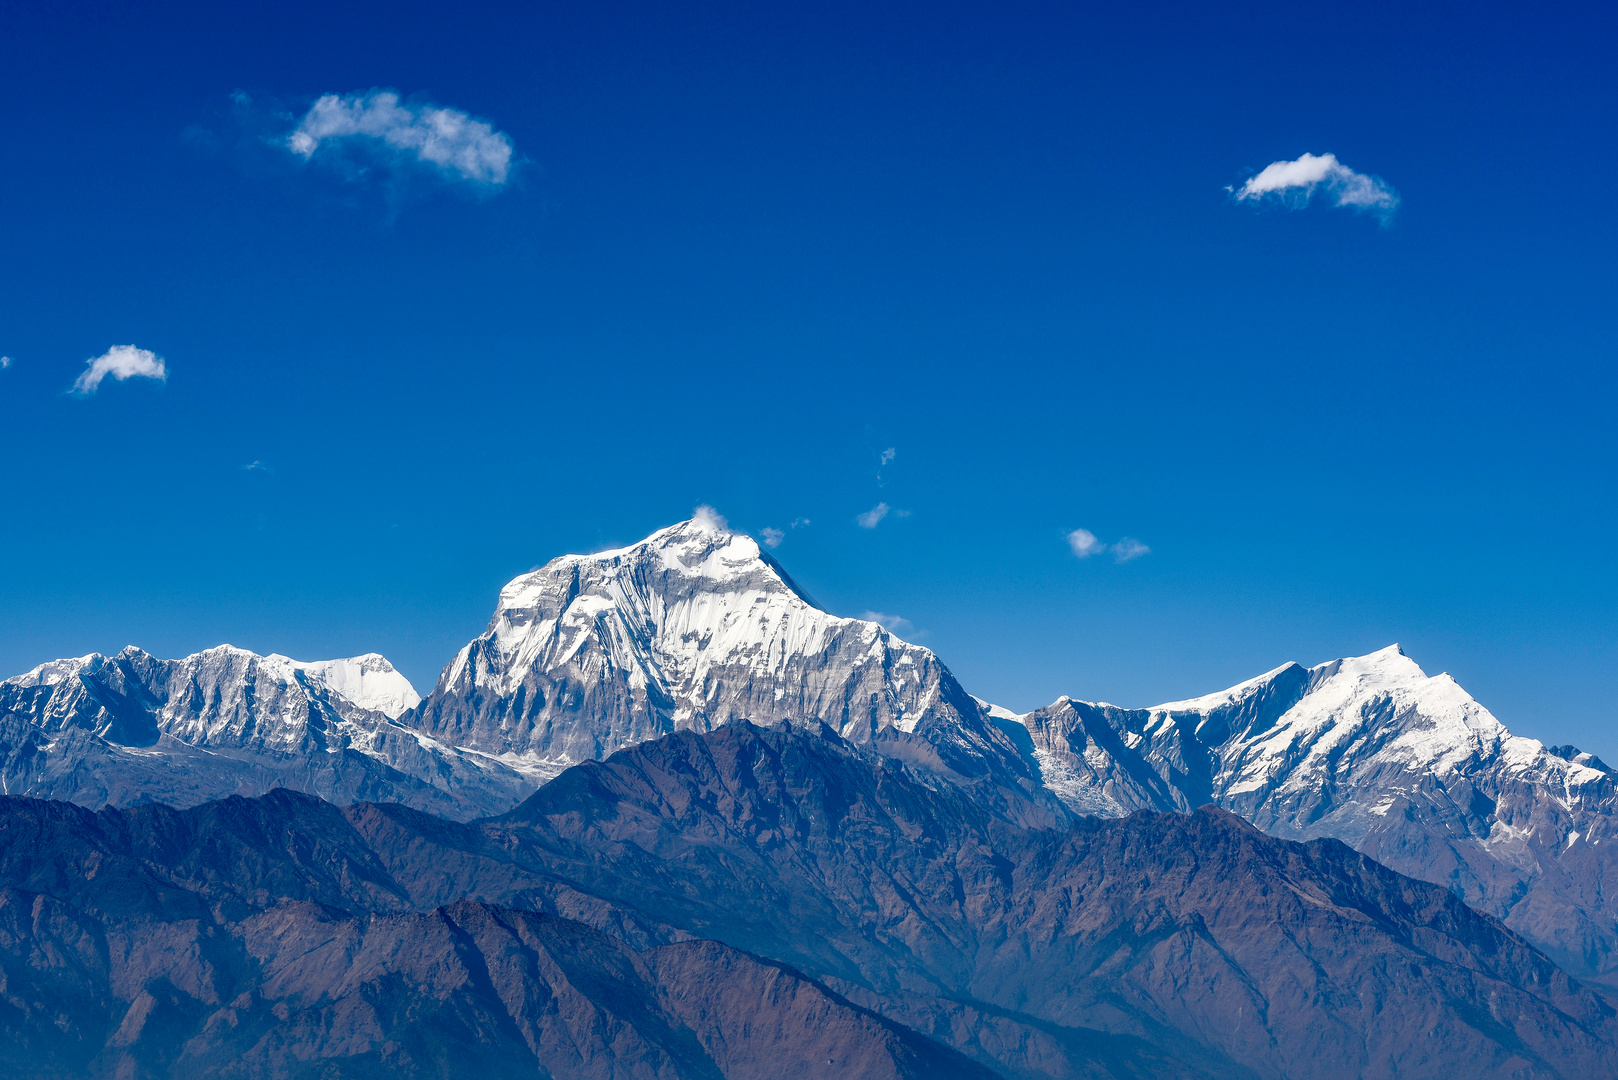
(1195,933)
(1158,945)
(465,988)
(1370,750)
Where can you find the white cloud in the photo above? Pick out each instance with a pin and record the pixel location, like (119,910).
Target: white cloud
(893,624)
(1294,183)
(447,138)
(257,466)
(121,362)
(889,454)
(1129,548)
(5,362)
(709,520)
(800,523)
(873,516)
(1084,543)
(772,537)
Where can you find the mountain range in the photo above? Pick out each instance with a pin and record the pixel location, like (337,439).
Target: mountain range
(697,631)
(748,903)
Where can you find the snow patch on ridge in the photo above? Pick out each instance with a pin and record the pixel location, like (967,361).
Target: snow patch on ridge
(369,681)
(1209,702)
(999,712)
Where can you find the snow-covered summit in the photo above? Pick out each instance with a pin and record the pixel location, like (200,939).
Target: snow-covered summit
(1380,710)
(369,681)
(132,727)
(693,627)
(1294,733)
(696,556)
(1405,766)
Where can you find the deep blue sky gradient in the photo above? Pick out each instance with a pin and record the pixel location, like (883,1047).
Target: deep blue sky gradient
(750,247)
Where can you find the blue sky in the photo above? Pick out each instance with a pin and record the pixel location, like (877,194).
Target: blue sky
(738,252)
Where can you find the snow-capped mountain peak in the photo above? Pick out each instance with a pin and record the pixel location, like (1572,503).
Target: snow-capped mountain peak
(1405,766)
(369,681)
(225,696)
(1382,699)
(1290,737)
(53,672)
(133,727)
(693,627)
(710,558)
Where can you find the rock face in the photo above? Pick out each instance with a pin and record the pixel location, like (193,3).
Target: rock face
(132,728)
(1406,768)
(693,628)
(758,902)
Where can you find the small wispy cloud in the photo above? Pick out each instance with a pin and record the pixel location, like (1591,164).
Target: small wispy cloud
(258,467)
(893,624)
(5,362)
(1294,184)
(377,122)
(1129,548)
(709,520)
(1086,544)
(773,536)
(884,458)
(120,362)
(873,517)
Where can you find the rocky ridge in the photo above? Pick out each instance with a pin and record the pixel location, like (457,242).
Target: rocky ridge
(735,904)
(132,728)
(1405,767)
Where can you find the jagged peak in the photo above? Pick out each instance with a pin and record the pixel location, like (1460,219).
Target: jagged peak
(1387,667)
(52,672)
(1390,664)
(702,548)
(367,680)
(224,650)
